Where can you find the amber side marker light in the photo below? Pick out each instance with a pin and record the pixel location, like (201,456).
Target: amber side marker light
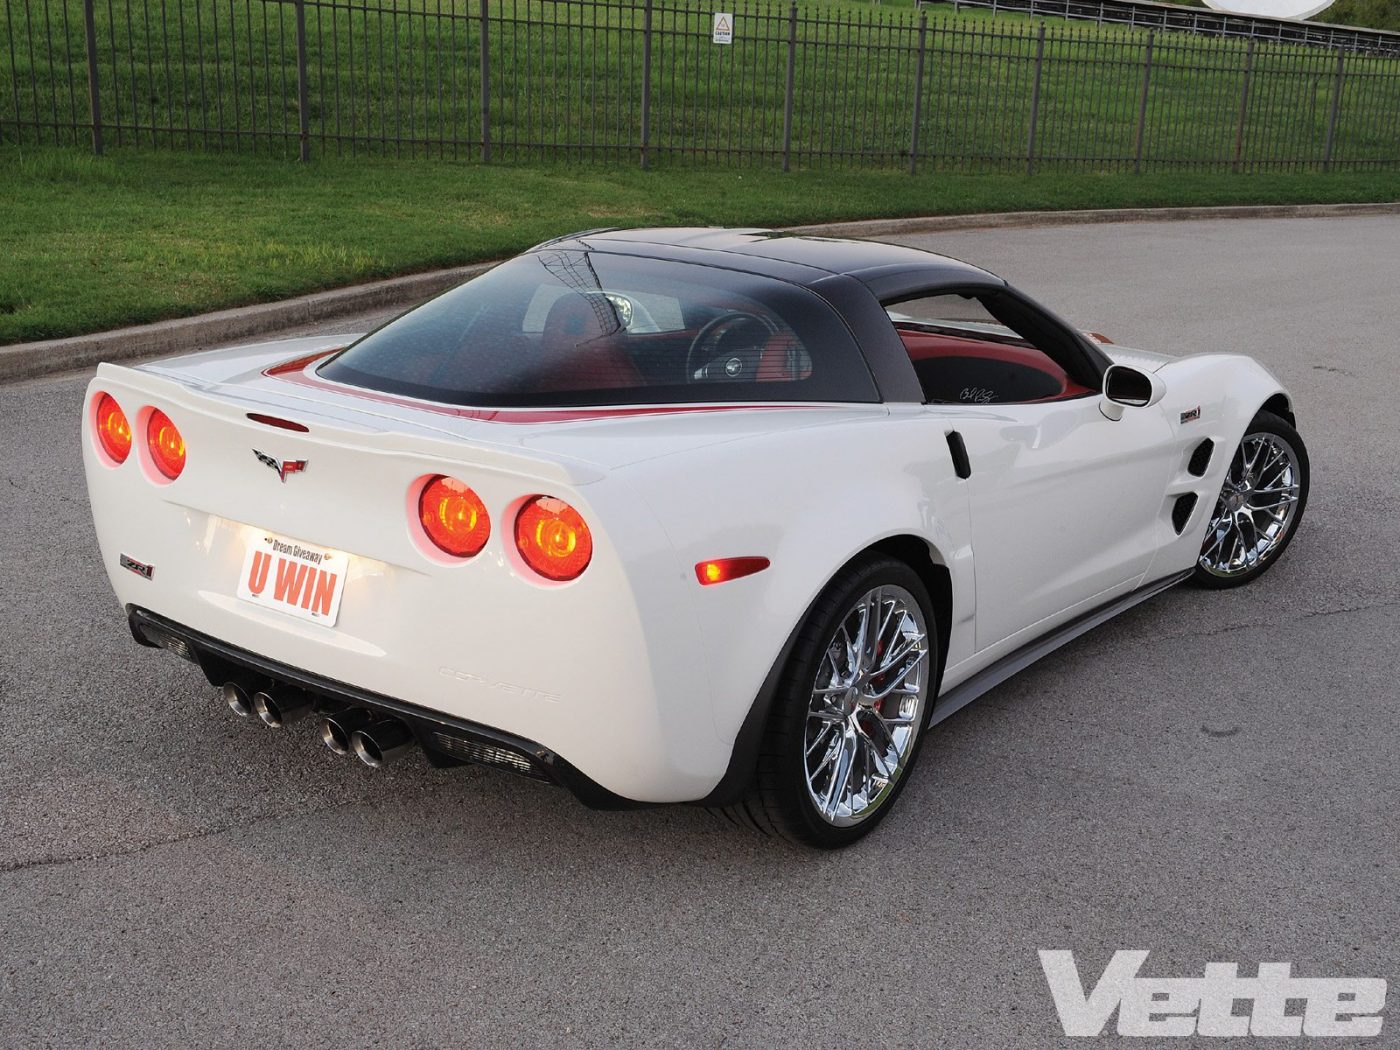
(722,570)
(553,538)
(166,443)
(113,429)
(453,517)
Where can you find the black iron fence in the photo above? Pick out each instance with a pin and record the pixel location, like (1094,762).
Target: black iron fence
(1144,14)
(646,82)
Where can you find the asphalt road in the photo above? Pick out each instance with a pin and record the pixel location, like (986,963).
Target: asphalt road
(1213,776)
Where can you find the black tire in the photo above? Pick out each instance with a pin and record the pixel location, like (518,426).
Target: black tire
(779,802)
(1279,429)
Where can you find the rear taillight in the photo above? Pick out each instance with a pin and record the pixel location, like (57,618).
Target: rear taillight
(113,429)
(453,517)
(166,444)
(553,538)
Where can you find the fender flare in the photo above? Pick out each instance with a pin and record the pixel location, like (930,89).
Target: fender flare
(738,775)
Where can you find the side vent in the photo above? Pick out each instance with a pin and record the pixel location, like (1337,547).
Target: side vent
(1181,513)
(1200,459)
(958,450)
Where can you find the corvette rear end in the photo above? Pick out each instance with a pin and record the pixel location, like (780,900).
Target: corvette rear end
(283,546)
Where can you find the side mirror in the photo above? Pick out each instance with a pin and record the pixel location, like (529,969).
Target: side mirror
(1125,386)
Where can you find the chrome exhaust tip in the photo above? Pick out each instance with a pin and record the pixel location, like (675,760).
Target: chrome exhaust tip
(282,707)
(338,729)
(238,697)
(379,741)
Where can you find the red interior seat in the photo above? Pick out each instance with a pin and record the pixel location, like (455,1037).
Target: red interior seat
(946,364)
(582,347)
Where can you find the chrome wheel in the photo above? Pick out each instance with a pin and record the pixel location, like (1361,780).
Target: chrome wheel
(1256,508)
(867,705)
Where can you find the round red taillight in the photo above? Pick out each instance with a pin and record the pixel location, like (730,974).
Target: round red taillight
(166,443)
(453,517)
(113,430)
(553,538)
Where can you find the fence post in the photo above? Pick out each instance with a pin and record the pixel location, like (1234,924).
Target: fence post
(787,87)
(485,64)
(1142,105)
(1244,107)
(1336,107)
(646,81)
(1035,98)
(94,89)
(918,95)
(303,112)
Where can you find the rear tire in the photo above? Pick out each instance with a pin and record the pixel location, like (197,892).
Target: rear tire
(1259,507)
(849,714)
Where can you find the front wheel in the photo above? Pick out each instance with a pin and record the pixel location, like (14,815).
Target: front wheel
(1260,505)
(850,710)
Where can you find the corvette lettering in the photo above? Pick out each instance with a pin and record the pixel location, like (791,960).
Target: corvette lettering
(510,689)
(1206,1005)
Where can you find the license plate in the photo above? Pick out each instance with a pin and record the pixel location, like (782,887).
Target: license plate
(294,578)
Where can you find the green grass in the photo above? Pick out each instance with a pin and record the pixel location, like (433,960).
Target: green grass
(565,83)
(95,243)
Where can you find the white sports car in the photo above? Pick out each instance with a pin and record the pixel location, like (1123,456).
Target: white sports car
(681,515)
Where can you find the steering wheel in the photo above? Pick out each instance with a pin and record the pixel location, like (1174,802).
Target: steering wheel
(740,359)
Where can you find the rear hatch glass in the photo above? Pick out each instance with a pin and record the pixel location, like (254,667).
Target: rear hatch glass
(571,327)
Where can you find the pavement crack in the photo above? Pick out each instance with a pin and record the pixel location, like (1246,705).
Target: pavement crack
(1351,608)
(1316,613)
(55,495)
(8,867)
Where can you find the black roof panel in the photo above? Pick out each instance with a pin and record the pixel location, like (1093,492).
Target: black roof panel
(795,258)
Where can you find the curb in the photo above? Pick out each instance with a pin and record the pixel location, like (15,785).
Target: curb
(1027,219)
(185,334)
(28,360)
